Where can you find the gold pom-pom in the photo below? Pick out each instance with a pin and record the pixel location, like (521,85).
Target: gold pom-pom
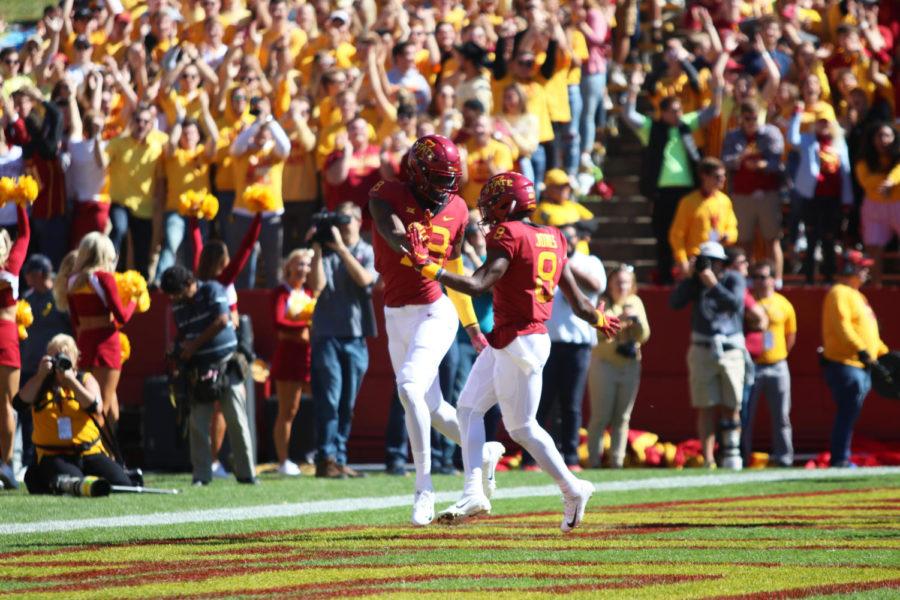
(24,318)
(259,198)
(197,204)
(26,190)
(188,203)
(133,287)
(143,302)
(209,207)
(7,189)
(300,306)
(125,343)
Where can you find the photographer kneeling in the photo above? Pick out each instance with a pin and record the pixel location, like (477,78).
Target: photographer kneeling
(65,405)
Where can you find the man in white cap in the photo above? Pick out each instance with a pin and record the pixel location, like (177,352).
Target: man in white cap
(716,355)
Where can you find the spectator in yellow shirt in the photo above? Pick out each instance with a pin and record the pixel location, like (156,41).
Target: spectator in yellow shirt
(556,208)
(486,156)
(135,185)
(703,215)
(189,153)
(878,173)
(772,378)
(851,345)
(299,185)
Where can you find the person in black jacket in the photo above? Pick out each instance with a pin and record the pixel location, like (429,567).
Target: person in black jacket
(670,158)
(41,140)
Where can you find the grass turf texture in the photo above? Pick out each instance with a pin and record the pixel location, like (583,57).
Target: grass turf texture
(12,11)
(817,538)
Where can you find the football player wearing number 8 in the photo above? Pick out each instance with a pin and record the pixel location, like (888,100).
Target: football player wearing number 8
(525,263)
(419,318)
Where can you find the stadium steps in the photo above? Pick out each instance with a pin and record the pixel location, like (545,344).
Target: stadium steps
(624,233)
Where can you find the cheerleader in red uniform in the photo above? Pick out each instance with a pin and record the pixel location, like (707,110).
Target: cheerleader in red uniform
(86,288)
(211,261)
(12,255)
(291,309)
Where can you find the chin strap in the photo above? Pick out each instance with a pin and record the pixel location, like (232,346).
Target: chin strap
(462,302)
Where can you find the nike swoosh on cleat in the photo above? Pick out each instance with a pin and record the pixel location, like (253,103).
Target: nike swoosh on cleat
(571,523)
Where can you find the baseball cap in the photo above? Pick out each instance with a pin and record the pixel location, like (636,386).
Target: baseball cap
(713,250)
(853,260)
(83,13)
(556,177)
(339,15)
(38,263)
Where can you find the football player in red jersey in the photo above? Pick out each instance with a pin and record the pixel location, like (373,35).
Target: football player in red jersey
(525,263)
(420,319)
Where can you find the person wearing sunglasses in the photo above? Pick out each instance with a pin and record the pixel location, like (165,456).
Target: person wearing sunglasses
(772,377)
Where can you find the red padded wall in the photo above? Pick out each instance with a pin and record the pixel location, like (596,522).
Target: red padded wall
(662,405)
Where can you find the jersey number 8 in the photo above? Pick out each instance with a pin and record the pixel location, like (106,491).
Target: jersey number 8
(546,272)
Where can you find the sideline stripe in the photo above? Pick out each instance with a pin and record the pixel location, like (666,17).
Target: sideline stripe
(269,511)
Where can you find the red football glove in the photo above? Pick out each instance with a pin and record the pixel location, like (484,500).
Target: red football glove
(417,236)
(608,325)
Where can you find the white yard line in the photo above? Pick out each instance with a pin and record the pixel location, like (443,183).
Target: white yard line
(269,511)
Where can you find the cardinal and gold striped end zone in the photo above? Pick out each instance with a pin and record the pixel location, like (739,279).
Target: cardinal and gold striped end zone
(805,544)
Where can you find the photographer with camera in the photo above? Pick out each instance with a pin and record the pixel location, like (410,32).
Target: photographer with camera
(205,349)
(343,273)
(615,374)
(716,357)
(65,406)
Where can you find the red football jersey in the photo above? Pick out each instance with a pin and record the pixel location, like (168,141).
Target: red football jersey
(523,297)
(403,285)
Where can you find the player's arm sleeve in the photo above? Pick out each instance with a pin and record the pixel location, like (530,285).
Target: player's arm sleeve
(462,302)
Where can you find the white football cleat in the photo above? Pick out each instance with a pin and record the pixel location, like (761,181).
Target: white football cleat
(423,508)
(574,504)
(219,472)
(288,468)
(490,456)
(465,508)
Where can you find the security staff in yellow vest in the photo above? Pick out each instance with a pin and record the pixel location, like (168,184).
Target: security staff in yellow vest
(64,406)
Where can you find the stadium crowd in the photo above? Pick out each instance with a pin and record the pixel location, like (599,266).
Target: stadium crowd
(137,118)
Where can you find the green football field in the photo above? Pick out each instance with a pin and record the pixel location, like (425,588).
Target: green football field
(647,533)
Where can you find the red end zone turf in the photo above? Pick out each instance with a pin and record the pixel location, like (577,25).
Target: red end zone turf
(784,545)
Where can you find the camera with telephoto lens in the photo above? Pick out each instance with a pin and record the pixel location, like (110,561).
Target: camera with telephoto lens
(324,221)
(702,263)
(61,362)
(81,487)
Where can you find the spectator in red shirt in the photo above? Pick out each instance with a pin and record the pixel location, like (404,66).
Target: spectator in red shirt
(752,154)
(352,169)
